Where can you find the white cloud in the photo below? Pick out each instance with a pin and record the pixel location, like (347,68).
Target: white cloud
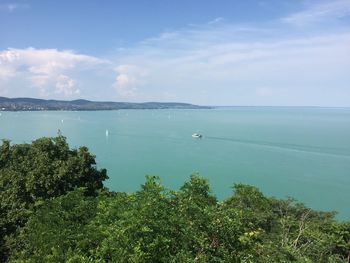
(6,72)
(318,11)
(127,79)
(46,69)
(66,86)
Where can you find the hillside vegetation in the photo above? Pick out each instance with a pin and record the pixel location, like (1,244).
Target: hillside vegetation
(54,208)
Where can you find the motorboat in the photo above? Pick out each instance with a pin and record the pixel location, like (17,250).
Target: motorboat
(197,135)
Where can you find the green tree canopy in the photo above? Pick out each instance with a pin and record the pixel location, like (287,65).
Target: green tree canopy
(54,209)
(32,173)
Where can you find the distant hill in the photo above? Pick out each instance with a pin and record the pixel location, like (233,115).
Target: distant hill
(31,104)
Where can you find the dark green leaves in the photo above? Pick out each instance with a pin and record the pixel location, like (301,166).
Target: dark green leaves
(32,173)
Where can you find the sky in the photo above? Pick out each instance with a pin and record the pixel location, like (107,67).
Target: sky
(222,52)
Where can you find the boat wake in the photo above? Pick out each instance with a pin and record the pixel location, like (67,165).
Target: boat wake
(332,151)
(343,152)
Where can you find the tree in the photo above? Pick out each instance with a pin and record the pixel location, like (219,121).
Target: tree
(58,227)
(31,173)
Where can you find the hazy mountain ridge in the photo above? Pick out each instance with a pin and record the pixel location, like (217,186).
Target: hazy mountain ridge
(33,104)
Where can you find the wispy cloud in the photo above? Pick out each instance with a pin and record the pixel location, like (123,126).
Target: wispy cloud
(318,11)
(216,20)
(251,64)
(11,7)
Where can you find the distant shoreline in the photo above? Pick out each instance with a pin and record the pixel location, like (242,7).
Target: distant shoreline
(32,104)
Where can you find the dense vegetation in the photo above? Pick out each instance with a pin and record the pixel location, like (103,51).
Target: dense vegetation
(54,208)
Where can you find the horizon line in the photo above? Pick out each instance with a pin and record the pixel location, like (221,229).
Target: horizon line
(205,105)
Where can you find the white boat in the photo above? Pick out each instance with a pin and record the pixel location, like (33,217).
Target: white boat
(197,135)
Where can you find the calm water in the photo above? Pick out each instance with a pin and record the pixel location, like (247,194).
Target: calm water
(298,152)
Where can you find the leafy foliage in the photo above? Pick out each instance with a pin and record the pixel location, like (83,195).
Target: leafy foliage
(33,173)
(68,220)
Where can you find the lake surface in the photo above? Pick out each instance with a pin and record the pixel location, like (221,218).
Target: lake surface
(299,152)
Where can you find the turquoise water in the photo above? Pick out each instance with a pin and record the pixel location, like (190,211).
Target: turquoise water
(298,152)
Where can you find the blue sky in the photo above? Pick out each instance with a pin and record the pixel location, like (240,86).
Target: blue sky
(248,52)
